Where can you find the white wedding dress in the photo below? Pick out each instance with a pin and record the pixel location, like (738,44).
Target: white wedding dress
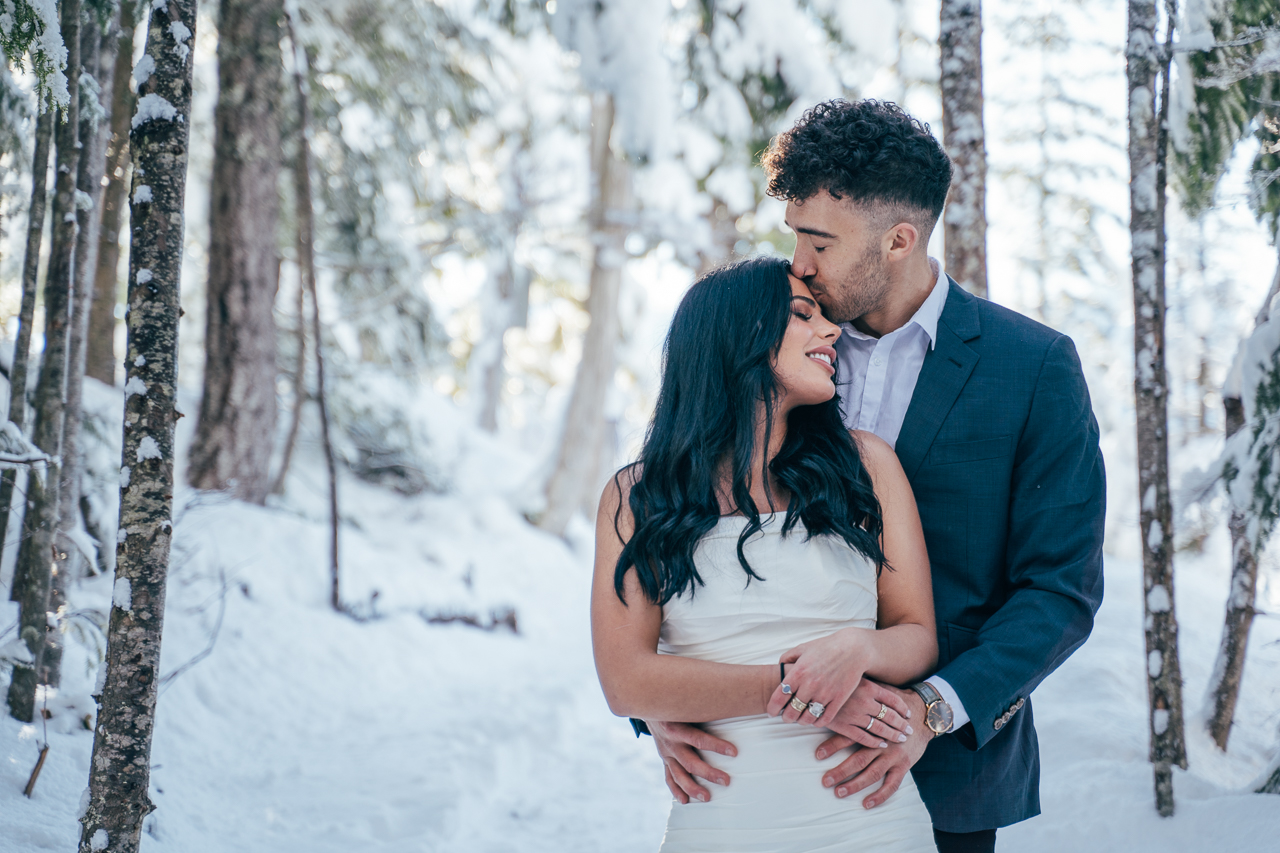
(775,800)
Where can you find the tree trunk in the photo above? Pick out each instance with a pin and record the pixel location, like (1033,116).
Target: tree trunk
(507,308)
(1147,146)
(26,313)
(121,767)
(236,432)
(1228,668)
(89,181)
(578,460)
(38,554)
(307,270)
(724,236)
(100,360)
(965,222)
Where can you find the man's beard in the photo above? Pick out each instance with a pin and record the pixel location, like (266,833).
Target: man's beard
(862,292)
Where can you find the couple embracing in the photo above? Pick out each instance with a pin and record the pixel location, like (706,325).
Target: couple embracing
(866,522)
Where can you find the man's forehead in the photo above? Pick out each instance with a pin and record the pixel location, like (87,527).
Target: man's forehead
(821,216)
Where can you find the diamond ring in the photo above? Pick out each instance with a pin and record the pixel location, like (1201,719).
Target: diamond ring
(816,708)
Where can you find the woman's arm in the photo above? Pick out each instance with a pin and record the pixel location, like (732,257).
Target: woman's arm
(637,681)
(904,647)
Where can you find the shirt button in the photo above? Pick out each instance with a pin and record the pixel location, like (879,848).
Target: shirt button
(877,361)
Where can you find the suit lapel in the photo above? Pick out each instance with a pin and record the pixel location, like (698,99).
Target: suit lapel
(943,375)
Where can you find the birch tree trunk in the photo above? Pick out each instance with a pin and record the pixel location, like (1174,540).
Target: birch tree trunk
(121,767)
(236,431)
(100,359)
(965,220)
(37,554)
(26,313)
(1228,668)
(92,159)
(1147,66)
(577,465)
(508,297)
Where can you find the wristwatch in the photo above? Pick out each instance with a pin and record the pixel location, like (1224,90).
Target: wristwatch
(937,712)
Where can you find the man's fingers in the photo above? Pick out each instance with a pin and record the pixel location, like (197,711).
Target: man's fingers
(892,780)
(673,787)
(831,746)
(707,742)
(687,784)
(874,772)
(849,768)
(691,762)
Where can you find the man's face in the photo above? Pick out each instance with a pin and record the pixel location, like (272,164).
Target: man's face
(839,254)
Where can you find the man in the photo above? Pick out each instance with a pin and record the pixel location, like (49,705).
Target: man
(990,417)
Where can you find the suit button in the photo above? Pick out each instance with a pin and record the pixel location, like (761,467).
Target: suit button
(999,724)
(1021,702)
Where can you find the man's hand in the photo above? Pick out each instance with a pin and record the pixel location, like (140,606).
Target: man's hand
(867,766)
(679,745)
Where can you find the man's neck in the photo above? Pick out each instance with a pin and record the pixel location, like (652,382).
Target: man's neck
(907,294)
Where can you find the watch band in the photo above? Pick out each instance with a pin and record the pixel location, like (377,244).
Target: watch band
(926,691)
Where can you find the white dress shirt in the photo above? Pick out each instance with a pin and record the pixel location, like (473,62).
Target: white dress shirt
(875,378)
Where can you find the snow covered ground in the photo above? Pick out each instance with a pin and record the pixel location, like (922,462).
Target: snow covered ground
(305,730)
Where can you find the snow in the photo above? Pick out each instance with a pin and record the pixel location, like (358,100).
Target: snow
(142,195)
(135,385)
(306,730)
(99,841)
(144,275)
(148,449)
(125,474)
(152,107)
(122,594)
(181,34)
(143,70)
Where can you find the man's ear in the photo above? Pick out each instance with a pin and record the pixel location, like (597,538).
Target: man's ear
(900,241)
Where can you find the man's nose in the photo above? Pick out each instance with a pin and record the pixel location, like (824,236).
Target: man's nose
(803,265)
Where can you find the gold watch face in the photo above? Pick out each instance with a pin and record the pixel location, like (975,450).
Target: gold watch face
(939,717)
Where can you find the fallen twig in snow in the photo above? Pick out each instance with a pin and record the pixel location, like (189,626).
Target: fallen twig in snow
(504,617)
(35,774)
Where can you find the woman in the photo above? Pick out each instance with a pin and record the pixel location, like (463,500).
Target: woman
(754,540)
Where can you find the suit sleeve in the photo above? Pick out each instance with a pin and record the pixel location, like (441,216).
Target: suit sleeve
(1053,565)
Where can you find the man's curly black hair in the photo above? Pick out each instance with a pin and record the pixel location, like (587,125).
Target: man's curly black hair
(868,151)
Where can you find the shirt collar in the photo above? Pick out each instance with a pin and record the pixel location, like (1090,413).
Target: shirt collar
(926,316)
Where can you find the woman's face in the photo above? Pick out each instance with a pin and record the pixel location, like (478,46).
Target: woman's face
(805,364)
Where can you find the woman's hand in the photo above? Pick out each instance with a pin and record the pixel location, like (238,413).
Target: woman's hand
(827,670)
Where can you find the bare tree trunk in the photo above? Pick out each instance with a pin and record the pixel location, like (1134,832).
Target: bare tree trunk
(965,221)
(89,181)
(307,268)
(38,553)
(577,465)
(121,767)
(100,361)
(299,389)
(1228,668)
(724,236)
(1148,143)
(236,431)
(508,308)
(26,313)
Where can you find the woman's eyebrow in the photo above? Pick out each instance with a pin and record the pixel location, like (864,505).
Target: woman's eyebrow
(806,299)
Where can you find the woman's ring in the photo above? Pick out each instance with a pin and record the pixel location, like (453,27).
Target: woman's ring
(817,708)
(797,704)
(884,709)
(786,689)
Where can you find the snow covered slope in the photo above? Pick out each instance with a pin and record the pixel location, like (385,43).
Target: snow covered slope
(305,730)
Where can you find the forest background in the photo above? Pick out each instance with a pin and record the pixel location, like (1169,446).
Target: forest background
(481,214)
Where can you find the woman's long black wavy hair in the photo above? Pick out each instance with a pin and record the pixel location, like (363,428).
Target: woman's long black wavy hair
(718,373)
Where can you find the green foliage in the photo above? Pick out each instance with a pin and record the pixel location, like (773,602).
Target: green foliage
(1233,98)
(32,29)
(388,79)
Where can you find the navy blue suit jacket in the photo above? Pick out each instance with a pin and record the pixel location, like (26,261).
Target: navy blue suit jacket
(1001,448)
